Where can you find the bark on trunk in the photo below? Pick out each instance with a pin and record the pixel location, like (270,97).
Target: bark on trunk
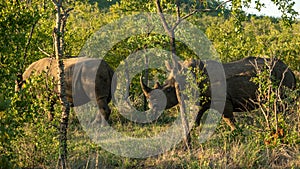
(58,38)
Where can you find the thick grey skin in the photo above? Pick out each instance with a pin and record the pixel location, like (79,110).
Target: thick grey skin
(241,92)
(91,80)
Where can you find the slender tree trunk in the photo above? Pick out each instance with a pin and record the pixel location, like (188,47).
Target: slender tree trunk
(127,80)
(146,78)
(58,39)
(171,32)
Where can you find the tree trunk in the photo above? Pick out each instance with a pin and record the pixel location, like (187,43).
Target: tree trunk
(58,40)
(146,75)
(171,32)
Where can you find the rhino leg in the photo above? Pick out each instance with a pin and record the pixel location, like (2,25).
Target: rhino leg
(200,114)
(228,115)
(103,113)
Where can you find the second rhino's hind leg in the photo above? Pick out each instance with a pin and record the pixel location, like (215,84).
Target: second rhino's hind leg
(228,115)
(103,113)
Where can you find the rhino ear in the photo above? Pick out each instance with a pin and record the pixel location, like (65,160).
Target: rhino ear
(157,86)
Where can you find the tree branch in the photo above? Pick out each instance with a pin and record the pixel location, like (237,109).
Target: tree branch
(29,40)
(19,81)
(44,52)
(180,19)
(222,4)
(178,10)
(162,17)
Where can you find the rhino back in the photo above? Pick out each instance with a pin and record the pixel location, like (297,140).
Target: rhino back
(48,65)
(80,72)
(243,67)
(247,67)
(240,88)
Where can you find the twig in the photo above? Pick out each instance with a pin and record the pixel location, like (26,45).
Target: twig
(222,4)
(44,52)
(180,19)
(178,10)
(29,40)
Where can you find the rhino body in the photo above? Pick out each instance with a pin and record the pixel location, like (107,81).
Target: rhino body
(86,79)
(240,91)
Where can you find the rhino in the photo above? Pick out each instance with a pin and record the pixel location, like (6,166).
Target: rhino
(86,79)
(240,90)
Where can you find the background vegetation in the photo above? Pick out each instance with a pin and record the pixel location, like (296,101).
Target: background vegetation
(30,140)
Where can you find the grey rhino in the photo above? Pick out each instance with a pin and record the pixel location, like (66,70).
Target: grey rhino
(240,91)
(91,80)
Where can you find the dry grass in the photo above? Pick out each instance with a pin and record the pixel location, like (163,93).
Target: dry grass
(241,149)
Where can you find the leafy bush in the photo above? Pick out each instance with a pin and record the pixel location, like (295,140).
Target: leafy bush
(276,103)
(30,137)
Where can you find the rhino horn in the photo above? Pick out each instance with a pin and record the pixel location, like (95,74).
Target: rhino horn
(145,88)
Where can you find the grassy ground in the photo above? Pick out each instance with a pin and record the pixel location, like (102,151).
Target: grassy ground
(252,145)
(249,147)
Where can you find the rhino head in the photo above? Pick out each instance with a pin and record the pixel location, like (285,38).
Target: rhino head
(160,96)
(164,96)
(167,91)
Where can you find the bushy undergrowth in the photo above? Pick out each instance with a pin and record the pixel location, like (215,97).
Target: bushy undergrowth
(30,133)
(277,104)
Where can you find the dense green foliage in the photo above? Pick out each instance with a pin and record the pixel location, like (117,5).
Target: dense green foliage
(260,37)
(30,140)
